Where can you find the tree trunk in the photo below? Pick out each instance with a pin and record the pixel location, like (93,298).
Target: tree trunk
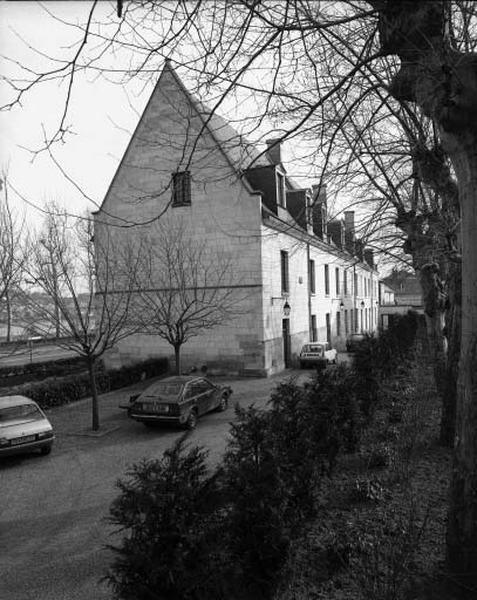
(453,334)
(462,518)
(177,352)
(9,317)
(94,394)
(434,310)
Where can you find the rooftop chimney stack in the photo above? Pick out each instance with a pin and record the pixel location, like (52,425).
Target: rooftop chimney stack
(350,235)
(369,257)
(274,150)
(319,211)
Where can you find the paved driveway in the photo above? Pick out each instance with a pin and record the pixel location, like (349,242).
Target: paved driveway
(52,527)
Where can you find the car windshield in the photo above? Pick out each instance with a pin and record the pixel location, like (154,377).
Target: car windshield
(316,348)
(172,388)
(22,411)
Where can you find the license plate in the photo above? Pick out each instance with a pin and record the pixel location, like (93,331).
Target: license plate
(160,408)
(23,440)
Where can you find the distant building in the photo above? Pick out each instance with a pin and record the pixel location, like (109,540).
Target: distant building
(307,278)
(400,292)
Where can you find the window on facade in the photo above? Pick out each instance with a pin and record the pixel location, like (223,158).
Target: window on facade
(337,281)
(346,322)
(284,271)
(281,197)
(355,284)
(328,328)
(356,320)
(327,280)
(345,282)
(338,324)
(314,332)
(361,321)
(311,276)
(181,188)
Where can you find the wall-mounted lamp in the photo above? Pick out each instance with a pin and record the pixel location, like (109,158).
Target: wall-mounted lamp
(362,303)
(341,305)
(286,309)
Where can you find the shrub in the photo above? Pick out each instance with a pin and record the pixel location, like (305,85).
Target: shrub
(58,391)
(290,425)
(17,374)
(170,510)
(378,456)
(258,524)
(367,490)
(333,415)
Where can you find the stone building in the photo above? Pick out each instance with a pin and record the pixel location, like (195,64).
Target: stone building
(297,276)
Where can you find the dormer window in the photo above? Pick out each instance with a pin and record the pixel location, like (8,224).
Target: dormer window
(181,188)
(281,197)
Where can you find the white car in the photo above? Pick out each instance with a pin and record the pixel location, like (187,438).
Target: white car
(23,427)
(317,354)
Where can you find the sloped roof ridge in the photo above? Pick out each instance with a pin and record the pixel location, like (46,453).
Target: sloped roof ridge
(242,153)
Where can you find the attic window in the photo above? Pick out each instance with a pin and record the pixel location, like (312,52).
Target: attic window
(281,190)
(181,188)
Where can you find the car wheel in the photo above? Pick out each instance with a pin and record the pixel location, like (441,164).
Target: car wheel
(45,450)
(191,420)
(224,403)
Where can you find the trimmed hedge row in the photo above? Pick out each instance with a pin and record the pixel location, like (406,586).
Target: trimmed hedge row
(16,374)
(55,391)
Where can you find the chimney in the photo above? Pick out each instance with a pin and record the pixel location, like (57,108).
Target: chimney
(369,257)
(319,211)
(336,229)
(359,246)
(349,231)
(297,207)
(274,151)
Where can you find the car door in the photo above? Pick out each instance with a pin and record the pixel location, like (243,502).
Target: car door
(195,396)
(205,396)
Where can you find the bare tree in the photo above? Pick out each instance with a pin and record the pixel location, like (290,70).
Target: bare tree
(11,258)
(87,286)
(184,288)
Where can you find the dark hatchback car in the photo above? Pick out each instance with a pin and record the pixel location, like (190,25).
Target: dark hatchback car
(180,400)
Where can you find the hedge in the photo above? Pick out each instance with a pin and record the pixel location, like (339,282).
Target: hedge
(56,391)
(18,374)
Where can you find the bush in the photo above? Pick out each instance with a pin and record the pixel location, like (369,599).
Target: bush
(58,391)
(334,419)
(170,510)
(15,374)
(367,490)
(259,523)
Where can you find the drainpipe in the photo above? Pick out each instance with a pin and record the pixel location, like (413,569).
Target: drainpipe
(309,289)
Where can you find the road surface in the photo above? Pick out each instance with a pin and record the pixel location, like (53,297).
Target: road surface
(53,531)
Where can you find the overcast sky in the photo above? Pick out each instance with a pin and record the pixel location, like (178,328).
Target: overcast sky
(100,113)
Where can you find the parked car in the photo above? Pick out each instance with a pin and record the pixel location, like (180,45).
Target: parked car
(23,427)
(353,340)
(179,399)
(317,354)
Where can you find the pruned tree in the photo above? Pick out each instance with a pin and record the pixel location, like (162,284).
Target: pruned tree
(85,286)
(184,287)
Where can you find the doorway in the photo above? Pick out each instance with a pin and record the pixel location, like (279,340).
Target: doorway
(286,342)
